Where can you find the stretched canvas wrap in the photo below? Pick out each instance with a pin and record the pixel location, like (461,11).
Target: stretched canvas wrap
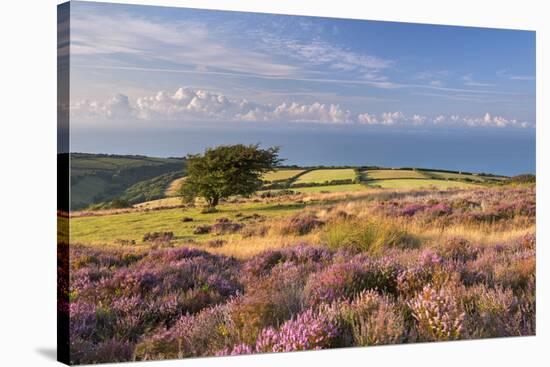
(237,183)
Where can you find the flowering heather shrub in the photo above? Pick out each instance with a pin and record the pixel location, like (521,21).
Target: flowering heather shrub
(527,242)
(493,312)
(224,226)
(458,249)
(430,268)
(365,285)
(203,333)
(238,349)
(344,280)
(371,319)
(307,331)
(411,209)
(270,300)
(110,351)
(516,273)
(437,314)
(310,256)
(301,224)
(121,303)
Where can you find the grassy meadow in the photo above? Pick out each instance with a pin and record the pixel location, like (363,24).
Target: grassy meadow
(397,256)
(326,175)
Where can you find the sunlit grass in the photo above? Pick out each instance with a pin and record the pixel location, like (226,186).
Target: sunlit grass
(326,175)
(421,184)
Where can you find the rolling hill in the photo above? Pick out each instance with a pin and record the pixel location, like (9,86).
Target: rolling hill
(97,179)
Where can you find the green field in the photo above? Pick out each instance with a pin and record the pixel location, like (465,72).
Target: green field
(98,179)
(132,226)
(281,175)
(331,188)
(461,176)
(320,176)
(383,174)
(420,184)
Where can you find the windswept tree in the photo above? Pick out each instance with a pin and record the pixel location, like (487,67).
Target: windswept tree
(227,170)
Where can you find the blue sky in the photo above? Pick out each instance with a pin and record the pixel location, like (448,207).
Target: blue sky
(137,64)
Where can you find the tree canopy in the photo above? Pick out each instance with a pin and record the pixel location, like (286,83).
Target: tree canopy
(227,170)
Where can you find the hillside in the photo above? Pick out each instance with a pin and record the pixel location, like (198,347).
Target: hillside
(102,181)
(100,178)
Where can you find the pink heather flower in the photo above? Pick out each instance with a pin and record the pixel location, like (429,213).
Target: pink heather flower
(437,314)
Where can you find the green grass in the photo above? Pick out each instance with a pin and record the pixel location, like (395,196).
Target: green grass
(366,235)
(84,161)
(152,189)
(420,184)
(462,176)
(132,226)
(87,189)
(281,174)
(332,188)
(383,174)
(326,175)
(174,187)
(99,178)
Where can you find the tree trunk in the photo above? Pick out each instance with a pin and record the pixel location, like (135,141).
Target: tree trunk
(213,202)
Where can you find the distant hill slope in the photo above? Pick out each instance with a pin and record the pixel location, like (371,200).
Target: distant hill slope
(97,178)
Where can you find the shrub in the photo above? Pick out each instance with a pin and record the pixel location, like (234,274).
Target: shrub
(269,301)
(186,219)
(345,280)
(300,225)
(204,229)
(367,236)
(158,236)
(224,226)
(308,331)
(312,257)
(437,314)
(458,249)
(193,335)
(254,230)
(493,312)
(374,319)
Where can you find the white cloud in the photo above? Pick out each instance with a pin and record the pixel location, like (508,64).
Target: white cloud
(367,118)
(470,82)
(418,119)
(188,43)
(391,118)
(439,119)
(506,75)
(187,104)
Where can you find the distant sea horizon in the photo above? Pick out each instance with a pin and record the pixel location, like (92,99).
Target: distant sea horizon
(505,152)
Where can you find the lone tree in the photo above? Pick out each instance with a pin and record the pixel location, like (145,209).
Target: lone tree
(227,170)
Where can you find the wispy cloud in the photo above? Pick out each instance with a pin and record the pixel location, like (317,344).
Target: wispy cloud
(183,43)
(506,75)
(470,82)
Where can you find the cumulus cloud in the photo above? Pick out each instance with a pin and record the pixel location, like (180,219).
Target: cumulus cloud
(400,119)
(367,118)
(391,118)
(187,104)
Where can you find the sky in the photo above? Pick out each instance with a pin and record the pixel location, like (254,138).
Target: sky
(170,70)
